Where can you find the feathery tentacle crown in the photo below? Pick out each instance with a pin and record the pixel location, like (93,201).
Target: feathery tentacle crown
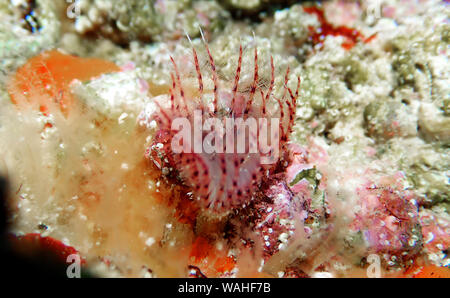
(226,178)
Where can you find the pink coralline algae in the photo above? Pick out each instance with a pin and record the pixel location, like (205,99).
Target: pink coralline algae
(276,218)
(389,221)
(285,212)
(226,177)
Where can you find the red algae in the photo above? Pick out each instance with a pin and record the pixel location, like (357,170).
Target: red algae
(207,260)
(351,35)
(200,249)
(34,242)
(389,220)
